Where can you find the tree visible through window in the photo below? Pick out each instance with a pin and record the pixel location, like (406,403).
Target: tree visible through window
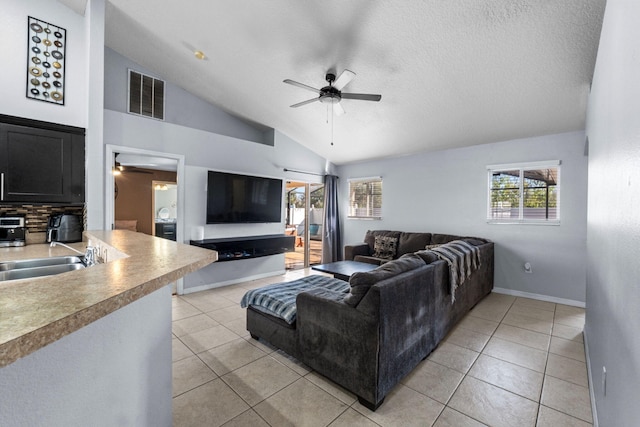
(365,198)
(524,193)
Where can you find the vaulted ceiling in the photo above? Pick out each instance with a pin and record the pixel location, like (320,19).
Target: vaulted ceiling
(451,73)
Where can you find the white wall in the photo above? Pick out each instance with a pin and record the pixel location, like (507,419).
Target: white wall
(446,192)
(167,199)
(94,155)
(114,372)
(205,151)
(13,42)
(613,244)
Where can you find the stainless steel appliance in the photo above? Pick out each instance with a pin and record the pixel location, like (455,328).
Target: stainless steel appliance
(12,231)
(66,228)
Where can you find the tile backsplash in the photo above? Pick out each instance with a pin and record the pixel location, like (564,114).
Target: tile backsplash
(37,216)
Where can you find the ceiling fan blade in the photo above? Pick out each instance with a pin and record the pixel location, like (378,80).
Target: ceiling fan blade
(308,101)
(362,96)
(131,169)
(344,79)
(301,85)
(337,108)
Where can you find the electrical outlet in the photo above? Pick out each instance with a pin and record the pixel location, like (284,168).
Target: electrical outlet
(527,268)
(604,380)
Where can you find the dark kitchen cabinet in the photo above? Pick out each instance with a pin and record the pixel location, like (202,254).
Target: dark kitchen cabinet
(41,162)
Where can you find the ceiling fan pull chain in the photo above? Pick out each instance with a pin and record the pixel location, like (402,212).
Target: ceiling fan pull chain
(332,120)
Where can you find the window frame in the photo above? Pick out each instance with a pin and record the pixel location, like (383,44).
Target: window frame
(522,167)
(371,216)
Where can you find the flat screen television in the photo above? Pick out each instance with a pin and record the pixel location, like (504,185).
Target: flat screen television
(233,198)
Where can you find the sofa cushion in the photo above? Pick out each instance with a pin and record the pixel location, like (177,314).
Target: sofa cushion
(279,299)
(361,282)
(475,241)
(369,259)
(438,239)
(370,237)
(412,242)
(427,256)
(385,247)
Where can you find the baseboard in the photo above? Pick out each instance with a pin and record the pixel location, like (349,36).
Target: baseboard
(186,291)
(594,412)
(540,297)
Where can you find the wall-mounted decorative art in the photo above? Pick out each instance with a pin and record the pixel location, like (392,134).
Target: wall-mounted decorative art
(46,58)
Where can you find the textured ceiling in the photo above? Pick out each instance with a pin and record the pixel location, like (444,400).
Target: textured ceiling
(451,73)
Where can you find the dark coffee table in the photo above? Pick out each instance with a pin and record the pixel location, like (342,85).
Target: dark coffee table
(344,269)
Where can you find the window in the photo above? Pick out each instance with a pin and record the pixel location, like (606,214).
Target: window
(146,95)
(365,198)
(524,193)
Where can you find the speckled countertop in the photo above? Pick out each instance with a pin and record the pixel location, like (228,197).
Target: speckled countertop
(37,312)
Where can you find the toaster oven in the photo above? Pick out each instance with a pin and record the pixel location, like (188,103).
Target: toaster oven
(12,231)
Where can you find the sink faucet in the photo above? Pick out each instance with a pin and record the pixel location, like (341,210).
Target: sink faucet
(88,257)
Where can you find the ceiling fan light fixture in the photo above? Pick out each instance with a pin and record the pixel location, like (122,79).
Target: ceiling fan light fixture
(117,169)
(330,98)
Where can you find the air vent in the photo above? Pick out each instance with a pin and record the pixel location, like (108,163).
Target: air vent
(146,95)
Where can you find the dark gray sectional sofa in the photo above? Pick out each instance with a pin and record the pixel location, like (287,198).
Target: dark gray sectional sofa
(367,340)
(406,243)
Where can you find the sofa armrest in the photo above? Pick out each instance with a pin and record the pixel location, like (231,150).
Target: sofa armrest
(338,341)
(405,305)
(350,251)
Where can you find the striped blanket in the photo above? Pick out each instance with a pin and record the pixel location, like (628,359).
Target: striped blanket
(463,259)
(280,299)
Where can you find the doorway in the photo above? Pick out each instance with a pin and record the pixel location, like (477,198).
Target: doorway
(304,204)
(145,160)
(164,208)
(139,190)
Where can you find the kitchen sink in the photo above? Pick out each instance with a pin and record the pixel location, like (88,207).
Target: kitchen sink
(24,269)
(39,262)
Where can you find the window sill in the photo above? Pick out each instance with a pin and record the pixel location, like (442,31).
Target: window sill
(523,222)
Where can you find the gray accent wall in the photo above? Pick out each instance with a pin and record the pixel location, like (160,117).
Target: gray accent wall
(613,244)
(181,107)
(446,192)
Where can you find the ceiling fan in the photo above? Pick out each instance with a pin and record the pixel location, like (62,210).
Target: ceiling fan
(120,168)
(332,94)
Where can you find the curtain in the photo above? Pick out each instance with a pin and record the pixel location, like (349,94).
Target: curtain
(331,241)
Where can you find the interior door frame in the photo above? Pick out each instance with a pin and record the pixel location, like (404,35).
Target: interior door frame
(153,200)
(109,203)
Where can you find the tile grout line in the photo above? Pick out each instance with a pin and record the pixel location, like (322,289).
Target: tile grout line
(351,406)
(471,367)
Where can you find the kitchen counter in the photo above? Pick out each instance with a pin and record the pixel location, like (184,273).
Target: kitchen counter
(37,312)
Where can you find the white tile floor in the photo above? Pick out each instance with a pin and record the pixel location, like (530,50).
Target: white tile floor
(509,362)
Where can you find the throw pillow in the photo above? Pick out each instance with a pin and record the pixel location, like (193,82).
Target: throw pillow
(385,247)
